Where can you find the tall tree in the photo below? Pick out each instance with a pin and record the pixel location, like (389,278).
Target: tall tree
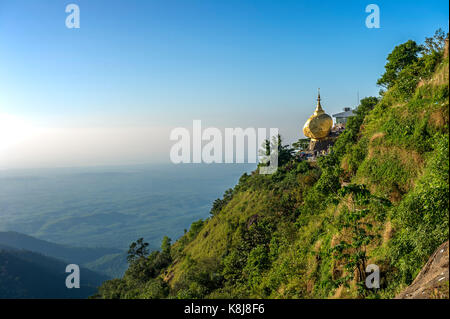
(435,43)
(137,250)
(403,55)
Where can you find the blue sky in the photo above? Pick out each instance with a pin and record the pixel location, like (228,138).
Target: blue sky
(229,63)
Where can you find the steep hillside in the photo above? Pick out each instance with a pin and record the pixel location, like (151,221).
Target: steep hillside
(25,274)
(310,230)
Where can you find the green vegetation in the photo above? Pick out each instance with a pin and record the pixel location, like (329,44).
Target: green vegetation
(309,230)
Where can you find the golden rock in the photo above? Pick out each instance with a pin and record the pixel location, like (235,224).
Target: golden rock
(319,125)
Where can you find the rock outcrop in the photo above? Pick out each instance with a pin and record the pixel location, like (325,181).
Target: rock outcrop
(433,280)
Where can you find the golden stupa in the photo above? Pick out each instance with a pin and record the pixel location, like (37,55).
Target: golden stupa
(318,126)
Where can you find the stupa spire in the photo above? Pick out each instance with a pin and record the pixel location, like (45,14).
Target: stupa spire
(319,109)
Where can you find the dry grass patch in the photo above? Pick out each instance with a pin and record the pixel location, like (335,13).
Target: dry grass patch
(439,118)
(376,136)
(411,159)
(388,232)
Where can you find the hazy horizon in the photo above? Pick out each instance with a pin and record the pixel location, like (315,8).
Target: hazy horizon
(110,92)
(111,206)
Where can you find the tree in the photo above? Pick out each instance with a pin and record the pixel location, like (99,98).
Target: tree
(435,43)
(403,55)
(196,227)
(302,144)
(220,203)
(265,153)
(285,152)
(165,245)
(137,250)
(257,261)
(353,252)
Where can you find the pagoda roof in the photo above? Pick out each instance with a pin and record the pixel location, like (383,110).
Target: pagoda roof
(345,114)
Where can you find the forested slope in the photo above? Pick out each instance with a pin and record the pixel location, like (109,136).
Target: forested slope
(310,230)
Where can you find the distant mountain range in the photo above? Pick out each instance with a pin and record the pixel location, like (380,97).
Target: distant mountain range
(108,261)
(26,274)
(77,255)
(34,268)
